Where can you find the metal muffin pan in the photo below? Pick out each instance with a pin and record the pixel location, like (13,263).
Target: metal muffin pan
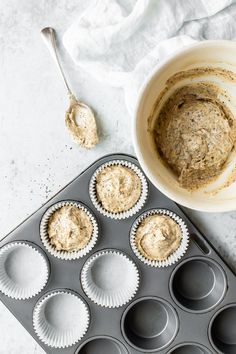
(189,307)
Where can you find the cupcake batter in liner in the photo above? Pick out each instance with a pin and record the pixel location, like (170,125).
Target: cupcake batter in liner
(68,230)
(157,247)
(118,189)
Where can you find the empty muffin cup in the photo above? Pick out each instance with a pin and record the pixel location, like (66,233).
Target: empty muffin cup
(101,345)
(24,270)
(222,330)
(189,348)
(156,238)
(84,245)
(134,196)
(198,284)
(110,278)
(149,324)
(61,318)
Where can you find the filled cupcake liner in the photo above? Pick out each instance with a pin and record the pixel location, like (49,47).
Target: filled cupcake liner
(176,255)
(18,288)
(57,337)
(139,204)
(111,298)
(67,255)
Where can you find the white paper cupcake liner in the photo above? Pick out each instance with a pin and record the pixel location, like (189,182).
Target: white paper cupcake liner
(61,318)
(110,278)
(176,255)
(24,270)
(136,207)
(67,255)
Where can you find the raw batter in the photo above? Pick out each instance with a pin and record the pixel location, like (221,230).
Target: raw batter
(81,124)
(195,133)
(118,188)
(69,228)
(157,237)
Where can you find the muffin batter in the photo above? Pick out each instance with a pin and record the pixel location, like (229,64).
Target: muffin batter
(157,237)
(195,133)
(81,124)
(118,188)
(69,228)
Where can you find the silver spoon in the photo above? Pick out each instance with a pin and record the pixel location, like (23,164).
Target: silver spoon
(79,119)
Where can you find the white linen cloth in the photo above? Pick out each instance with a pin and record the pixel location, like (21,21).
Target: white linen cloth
(120,41)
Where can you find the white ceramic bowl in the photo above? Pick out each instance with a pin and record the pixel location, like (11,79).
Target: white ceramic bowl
(217,53)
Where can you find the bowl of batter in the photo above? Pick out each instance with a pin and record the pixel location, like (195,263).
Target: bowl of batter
(185,126)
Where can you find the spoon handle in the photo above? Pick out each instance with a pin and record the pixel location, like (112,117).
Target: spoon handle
(48,35)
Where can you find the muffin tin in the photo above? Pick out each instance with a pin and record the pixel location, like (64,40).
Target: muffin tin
(188,307)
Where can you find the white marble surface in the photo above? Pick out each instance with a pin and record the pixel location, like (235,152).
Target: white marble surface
(36,155)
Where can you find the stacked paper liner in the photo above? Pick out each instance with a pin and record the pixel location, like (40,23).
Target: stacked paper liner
(110,279)
(61,318)
(175,256)
(136,207)
(67,255)
(24,270)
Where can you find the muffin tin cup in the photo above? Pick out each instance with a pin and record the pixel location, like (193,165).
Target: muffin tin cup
(61,318)
(222,333)
(67,255)
(139,204)
(149,324)
(176,255)
(102,345)
(24,270)
(110,278)
(189,348)
(198,284)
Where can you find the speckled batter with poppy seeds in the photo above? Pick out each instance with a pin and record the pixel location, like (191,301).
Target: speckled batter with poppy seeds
(195,133)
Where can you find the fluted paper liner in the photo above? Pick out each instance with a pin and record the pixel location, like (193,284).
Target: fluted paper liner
(139,204)
(61,318)
(24,270)
(67,255)
(110,278)
(176,255)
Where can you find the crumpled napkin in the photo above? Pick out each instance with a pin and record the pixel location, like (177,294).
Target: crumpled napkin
(120,41)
